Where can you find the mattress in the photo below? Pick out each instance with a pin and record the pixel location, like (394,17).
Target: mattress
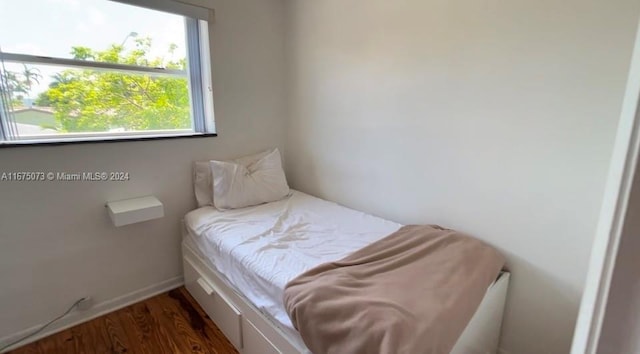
(260,249)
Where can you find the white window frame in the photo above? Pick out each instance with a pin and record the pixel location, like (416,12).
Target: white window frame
(198,74)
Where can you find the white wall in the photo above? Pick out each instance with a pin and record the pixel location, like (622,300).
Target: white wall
(496,118)
(56,241)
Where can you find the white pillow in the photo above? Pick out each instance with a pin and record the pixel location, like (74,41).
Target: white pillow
(203,181)
(248,181)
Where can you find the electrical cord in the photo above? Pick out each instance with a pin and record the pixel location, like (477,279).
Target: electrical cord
(75,304)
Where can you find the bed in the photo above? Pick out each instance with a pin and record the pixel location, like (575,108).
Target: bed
(237,263)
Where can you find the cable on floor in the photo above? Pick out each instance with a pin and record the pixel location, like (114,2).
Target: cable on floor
(75,304)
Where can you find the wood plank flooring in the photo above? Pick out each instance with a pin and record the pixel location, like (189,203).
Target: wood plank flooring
(172,322)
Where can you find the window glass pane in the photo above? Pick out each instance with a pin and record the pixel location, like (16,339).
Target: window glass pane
(91,30)
(85,94)
(60,100)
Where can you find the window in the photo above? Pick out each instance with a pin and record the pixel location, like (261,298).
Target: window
(103,69)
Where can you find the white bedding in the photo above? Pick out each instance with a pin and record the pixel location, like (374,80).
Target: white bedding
(259,249)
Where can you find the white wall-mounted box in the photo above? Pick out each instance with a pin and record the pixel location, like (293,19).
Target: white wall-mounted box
(129,211)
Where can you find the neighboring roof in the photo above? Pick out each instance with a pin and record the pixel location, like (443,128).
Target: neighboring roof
(48,110)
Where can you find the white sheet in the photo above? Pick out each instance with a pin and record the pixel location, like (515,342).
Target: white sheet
(259,249)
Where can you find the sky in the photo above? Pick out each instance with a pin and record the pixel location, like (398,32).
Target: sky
(52,27)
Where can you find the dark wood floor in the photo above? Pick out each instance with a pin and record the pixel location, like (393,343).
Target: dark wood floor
(169,323)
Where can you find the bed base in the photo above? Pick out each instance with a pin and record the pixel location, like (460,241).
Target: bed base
(251,332)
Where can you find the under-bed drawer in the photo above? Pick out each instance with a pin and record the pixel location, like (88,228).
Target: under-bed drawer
(254,341)
(222,311)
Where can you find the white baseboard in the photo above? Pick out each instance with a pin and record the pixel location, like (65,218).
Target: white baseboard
(97,310)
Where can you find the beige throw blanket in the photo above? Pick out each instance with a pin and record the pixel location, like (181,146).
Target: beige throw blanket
(411,292)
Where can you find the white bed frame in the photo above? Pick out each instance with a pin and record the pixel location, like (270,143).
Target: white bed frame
(251,332)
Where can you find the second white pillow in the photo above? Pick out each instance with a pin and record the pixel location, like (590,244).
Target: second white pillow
(248,181)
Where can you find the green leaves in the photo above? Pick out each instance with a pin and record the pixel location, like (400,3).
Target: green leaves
(95,101)
(82,53)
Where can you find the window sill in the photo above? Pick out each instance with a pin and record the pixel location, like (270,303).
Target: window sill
(100,139)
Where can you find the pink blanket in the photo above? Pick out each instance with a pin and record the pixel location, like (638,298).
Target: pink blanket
(411,292)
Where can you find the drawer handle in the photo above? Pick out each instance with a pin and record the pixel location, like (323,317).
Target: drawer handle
(205,286)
